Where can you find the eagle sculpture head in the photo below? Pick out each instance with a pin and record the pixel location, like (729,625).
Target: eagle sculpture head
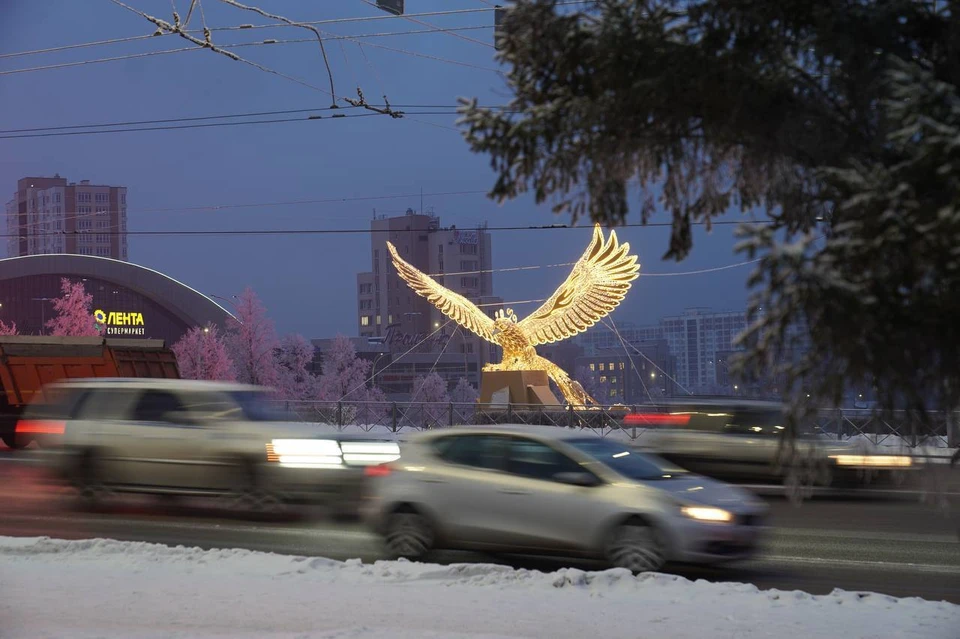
(503,319)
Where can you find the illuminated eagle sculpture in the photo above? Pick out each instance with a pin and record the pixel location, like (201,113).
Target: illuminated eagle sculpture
(597,284)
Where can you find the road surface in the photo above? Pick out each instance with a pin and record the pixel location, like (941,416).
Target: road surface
(898,546)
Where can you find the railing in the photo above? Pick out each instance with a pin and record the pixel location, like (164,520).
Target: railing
(897,430)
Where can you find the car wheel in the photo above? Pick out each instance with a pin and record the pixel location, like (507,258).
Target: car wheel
(13,442)
(408,534)
(88,482)
(635,546)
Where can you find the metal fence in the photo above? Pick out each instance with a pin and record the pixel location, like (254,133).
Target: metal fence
(897,429)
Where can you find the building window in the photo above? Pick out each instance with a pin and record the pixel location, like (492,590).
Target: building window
(389,319)
(469,282)
(56,198)
(378,320)
(613,392)
(601,366)
(613,380)
(621,365)
(612,367)
(468,265)
(468,249)
(364,320)
(593,366)
(603,379)
(366,305)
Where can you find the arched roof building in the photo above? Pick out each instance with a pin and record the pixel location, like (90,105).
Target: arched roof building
(133,300)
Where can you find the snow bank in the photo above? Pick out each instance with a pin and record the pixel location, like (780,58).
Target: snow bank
(101,588)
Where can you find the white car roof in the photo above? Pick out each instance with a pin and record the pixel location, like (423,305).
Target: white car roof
(142,383)
(542,432)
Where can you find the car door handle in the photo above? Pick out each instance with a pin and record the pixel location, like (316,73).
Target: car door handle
(506,491)
(433,481)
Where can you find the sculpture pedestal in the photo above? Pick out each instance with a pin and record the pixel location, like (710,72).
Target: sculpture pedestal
(516,387)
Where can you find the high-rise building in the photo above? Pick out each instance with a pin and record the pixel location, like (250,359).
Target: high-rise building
(695,338)
(640,374)
(51,215)
(387,309)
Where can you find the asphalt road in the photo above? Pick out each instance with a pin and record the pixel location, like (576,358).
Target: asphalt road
(896,546)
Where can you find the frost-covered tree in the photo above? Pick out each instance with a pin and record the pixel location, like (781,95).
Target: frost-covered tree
(431,394)
(800,109)
(8,329)
(296,382)
(344,375)
(202,354)
(464,392)
(74,314)
(374,407)
(345,380)
(252,342)
(464,397)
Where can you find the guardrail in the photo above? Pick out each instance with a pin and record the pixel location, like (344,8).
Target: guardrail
(898,429)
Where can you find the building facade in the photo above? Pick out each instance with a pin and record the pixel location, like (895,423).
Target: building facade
(695,337)
(129,301)
(639,375)
(408,325)
(51,215)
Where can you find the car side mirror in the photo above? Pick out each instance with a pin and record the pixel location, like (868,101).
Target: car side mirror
(577,479)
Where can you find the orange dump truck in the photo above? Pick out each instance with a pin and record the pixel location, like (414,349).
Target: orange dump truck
(27,363)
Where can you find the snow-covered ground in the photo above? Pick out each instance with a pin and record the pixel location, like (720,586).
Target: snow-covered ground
(110,589)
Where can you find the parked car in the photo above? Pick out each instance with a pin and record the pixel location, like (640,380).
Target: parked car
(741,440)
(554,490)
(185,437)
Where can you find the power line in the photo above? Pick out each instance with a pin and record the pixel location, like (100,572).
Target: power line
(352,38)
(219,207)
(247,27)
(410,18)
(357,231)
(313,118)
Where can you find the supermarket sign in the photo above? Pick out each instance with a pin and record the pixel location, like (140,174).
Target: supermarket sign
(119,322)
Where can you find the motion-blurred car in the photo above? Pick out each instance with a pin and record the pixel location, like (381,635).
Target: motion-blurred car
(560,491)
(741,440)
(184,437)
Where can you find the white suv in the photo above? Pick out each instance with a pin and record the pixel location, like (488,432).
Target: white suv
(189,437)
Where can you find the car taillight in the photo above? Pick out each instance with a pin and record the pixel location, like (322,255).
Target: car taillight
(656,419)
(40,427)
(380,470)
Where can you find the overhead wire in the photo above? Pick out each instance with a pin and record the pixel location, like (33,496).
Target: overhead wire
(248,27)
(357,231)
(410,18)
(272,42)
(219,207)
(292,23)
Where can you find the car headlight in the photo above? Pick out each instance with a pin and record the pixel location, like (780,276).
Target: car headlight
(707,513)
(873,461)
(305,453)
(328,453)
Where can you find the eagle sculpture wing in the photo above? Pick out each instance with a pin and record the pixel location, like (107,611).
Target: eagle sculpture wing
(598,283)
(453,305)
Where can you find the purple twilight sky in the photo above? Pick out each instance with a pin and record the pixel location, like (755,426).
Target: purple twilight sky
(306,281)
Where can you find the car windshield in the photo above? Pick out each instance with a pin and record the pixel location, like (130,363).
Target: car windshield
(627,462)
(256,408)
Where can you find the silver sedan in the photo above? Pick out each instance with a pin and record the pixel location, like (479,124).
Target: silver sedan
(556,490)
